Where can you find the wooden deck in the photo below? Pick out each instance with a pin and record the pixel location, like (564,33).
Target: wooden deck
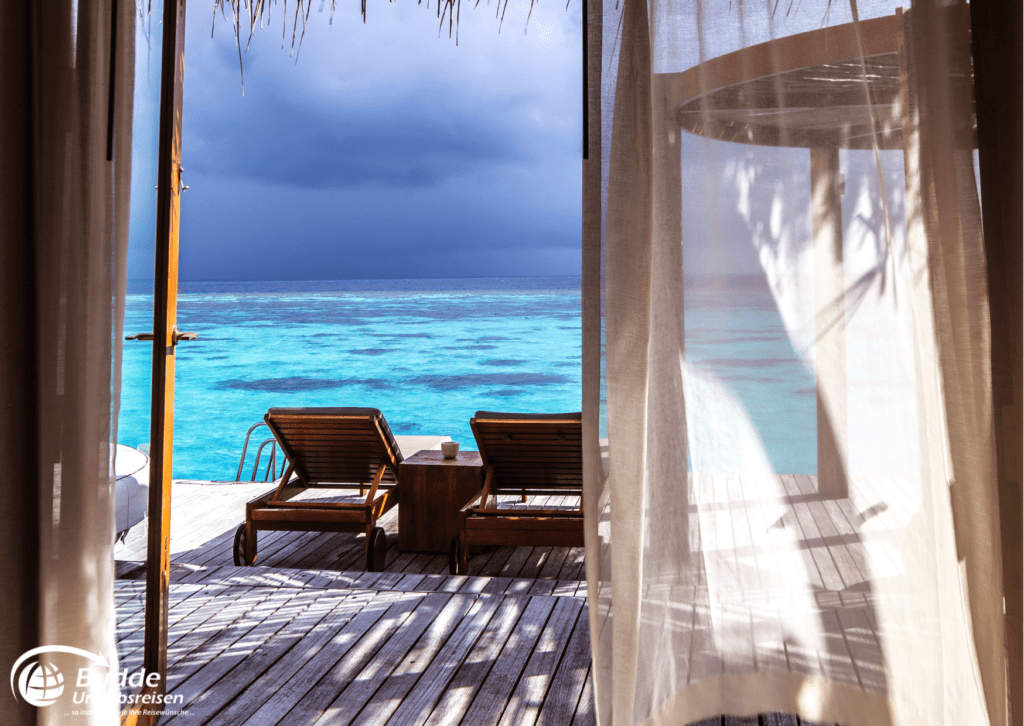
(262,646)
(204,518)
(307,637)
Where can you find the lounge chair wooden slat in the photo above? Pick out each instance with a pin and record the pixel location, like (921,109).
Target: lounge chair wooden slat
(328,448)
(524,512)
(535,456)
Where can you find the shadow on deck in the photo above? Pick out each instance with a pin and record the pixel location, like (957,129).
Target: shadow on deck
(306,637)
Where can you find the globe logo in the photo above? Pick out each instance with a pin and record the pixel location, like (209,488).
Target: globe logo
(41,683)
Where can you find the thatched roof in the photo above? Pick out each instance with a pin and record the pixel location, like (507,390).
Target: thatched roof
(246,16)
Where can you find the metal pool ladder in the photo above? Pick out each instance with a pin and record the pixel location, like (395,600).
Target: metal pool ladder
(271,472)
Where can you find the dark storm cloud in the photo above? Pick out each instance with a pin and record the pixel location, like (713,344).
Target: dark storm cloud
(384,153)
(413,142)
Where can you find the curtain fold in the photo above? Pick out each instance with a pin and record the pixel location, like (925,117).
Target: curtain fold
(69,184)
(790,478)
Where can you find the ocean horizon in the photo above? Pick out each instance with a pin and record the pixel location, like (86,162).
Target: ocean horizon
(429,353)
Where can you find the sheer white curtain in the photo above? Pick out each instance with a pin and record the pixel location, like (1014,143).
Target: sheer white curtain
(66,150)
(791,488)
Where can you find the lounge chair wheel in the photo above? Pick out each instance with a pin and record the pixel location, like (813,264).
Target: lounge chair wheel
(239,549)
(453,556)
(377,551)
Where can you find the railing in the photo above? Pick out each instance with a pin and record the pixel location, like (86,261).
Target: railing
(271,472)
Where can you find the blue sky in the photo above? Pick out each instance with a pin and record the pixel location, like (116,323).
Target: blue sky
(384,152)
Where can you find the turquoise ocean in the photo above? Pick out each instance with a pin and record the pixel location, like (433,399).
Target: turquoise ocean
(429,354)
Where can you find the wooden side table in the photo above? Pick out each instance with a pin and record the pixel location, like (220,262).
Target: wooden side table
(433,490)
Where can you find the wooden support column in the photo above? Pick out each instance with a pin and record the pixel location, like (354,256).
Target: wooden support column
(829,322)
(997,91)
(165,339)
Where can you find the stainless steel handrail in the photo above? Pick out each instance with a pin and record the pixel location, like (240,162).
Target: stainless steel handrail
(238,476)
(271,472)
(271,463)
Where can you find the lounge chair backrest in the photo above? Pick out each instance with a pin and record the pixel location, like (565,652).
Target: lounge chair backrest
(336,445)
(531,452)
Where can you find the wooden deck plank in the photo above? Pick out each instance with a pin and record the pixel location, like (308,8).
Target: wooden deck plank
(497,561)
(525,702)
(794,522)
(417,704)
(306,644)
(350,701)
(519,586)
(542,587)
(326,663)
(312,550)
(854,545)
(535,562)
(497,585)
(724,545)
(319,696)
(837,663)
(494,692)
(181,604)
(753,533)
(705,660)
(747,565)
(706,527)
(248,661)
(763,516)
(567,684)
(514,566)
(319,551)
(466,683)
(437,566)
(420,562)
(769,638)
(214,634)
(555,560)
(219,655)
(586,714)
(386,700)
(130,648)
(838,546)
(410,583)
(572,568)
(864,648)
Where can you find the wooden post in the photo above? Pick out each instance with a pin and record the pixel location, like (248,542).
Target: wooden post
(165,308)
(829,322)
(667,506)
(997,92)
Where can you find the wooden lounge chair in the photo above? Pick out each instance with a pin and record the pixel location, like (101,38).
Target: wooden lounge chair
(523,454)
(329,448)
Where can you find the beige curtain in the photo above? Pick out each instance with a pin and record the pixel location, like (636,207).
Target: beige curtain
(65,148)
(790,482)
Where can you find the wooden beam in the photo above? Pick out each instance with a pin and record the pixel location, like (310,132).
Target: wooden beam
(829,322)
(165,295)
(998,79)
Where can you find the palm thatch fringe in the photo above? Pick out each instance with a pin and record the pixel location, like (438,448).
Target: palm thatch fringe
(253,12)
